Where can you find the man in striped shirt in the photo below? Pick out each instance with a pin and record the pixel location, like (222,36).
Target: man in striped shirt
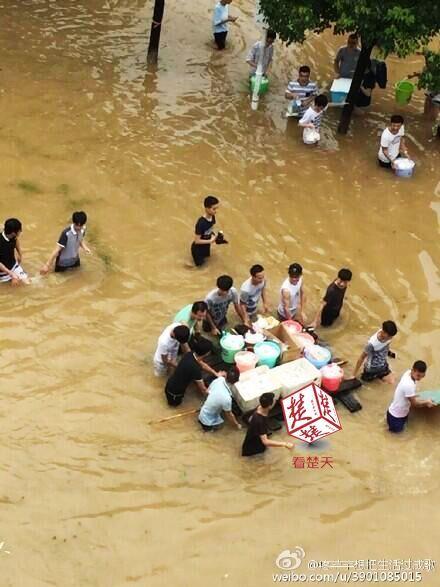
(301,92)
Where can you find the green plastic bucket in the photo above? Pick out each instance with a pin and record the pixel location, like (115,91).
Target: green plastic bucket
(230,345)
(264,85)
(268,353)
(404,90)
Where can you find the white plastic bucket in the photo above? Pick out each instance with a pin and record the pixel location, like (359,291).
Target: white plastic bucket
(245,360)
(404,167)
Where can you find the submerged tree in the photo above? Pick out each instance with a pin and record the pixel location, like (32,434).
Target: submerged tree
(394,26)
(156,26)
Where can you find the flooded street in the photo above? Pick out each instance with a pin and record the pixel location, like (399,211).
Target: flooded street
(92,495)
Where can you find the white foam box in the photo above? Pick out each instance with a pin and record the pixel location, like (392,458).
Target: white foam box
(340,88)
(293,375)
(251,385)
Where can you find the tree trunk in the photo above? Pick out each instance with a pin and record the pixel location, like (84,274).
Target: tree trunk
(156,25)
(347,110)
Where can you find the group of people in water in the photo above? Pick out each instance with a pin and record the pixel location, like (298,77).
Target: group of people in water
(208,317)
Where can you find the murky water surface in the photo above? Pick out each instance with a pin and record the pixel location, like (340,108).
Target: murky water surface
(92,494)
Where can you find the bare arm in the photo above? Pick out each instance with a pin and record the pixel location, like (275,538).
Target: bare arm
(246,317)
(85,247)
(214,329)
(239,311)
(317,319)
(47,266)
(285,300)
(198,240)
(18,253)
(421,403)
(336,66)
(302,303)
(275,443)
(201,386)
(232,419)
(264,299)
(359,363)
(403,148)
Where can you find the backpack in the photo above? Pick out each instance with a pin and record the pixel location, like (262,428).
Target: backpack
(380,71)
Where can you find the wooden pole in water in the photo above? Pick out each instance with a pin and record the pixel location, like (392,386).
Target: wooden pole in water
(175,417)
(156,26)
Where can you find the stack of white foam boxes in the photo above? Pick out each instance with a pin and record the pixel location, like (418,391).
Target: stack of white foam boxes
(280,381)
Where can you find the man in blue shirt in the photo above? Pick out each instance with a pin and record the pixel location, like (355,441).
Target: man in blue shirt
(220,21)
(219,400)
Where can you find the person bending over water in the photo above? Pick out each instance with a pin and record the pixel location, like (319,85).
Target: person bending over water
(10,253)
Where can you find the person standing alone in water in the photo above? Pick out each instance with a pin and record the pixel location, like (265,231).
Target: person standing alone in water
(66,253)
(331,304)
(204,235)
(220,22)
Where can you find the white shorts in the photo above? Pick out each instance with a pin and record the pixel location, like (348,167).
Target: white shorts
(19,272)
(160,370)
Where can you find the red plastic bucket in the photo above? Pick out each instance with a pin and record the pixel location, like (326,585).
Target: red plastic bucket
(331,377)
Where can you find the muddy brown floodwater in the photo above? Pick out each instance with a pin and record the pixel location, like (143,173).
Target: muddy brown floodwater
(91,494)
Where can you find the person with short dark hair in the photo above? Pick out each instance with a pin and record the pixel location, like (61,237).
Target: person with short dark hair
(204,235)
(10,253)
(188,370)
(219,401)
(256,50)
(251,291)
(375,355)
(312,117)
(218,301)
(292,301)
(66,253)
(220,22)
(405,397)
(256,440)
(165,358)
(192,315)
(347,57)
(392,142)
(301,92)
(333,300)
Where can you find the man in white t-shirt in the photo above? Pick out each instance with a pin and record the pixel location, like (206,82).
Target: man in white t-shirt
(405,397)
(251,291)
(167,349)
(392,142)
(292,295)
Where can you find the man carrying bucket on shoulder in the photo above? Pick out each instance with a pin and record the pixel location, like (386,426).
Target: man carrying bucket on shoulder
(392,142)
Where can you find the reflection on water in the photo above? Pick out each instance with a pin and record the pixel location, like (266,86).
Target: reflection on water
(89,487)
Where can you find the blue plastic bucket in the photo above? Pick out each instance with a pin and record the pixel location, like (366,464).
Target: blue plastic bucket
(317,355)
(268,353)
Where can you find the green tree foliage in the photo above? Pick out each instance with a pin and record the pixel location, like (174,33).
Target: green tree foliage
(429,79)
(395,26)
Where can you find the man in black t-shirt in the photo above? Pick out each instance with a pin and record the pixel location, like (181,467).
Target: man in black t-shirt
(331,305)
(204,235)
(256,440)
(10,253)
(188,370)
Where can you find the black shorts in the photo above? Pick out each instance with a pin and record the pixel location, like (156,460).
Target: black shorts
(372,375)
(200,253)
(396,424)
(220,39)
(387,164)
(328,316)
(172,398)
(60,269)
